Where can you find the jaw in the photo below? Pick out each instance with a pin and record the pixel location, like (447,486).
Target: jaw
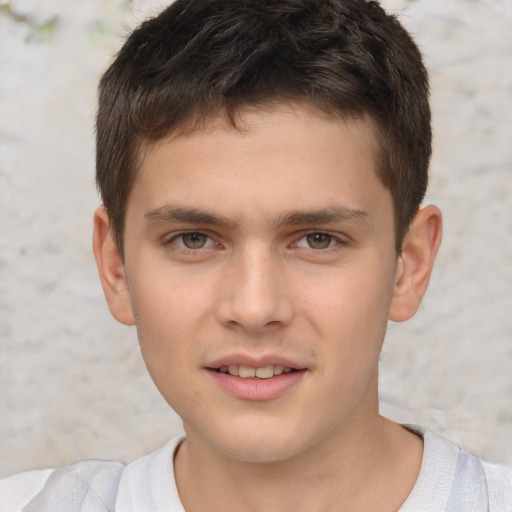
(275,421)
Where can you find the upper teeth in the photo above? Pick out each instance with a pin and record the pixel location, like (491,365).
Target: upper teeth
(247,372)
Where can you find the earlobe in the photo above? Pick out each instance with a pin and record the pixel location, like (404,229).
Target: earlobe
(111,269)
(415,263)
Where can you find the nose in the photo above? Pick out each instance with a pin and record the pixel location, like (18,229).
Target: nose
(254,296)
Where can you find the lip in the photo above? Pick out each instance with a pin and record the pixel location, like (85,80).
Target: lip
(256,389)
(255,362)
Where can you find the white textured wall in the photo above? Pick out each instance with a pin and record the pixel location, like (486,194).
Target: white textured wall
(72,384)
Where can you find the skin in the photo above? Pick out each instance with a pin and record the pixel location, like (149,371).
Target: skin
(261,279)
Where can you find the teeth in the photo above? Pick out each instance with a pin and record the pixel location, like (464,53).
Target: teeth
(265,372)
(247,372)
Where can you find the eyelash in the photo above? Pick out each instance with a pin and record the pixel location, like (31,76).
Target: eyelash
(177,236)
(334,241)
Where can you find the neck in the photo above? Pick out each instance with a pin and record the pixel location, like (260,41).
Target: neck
(360,469)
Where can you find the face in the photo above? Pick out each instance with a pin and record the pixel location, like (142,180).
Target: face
(260,266)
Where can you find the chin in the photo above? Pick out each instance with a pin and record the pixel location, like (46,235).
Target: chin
(260,452)
(262,443)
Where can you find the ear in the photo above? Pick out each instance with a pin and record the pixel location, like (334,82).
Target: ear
(111,269)
(415,263)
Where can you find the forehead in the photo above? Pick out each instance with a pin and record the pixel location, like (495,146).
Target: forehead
(283,158)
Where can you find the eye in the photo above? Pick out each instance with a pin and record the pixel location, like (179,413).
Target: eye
(317,241)
(192,240)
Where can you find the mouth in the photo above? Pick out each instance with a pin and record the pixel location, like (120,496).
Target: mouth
(249,379)
(260,372)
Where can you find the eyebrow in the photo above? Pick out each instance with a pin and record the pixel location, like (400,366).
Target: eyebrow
(169,214)
(173,213)
(332,215)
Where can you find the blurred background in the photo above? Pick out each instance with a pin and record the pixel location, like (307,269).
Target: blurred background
(72,382)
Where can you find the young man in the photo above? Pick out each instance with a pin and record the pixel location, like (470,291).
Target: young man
(261,166)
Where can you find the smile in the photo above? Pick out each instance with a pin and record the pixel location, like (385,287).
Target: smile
(248,372)
(256,380)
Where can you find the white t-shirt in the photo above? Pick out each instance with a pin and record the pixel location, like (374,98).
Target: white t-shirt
(450,480)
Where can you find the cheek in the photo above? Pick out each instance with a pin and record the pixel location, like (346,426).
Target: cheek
(167,347)
(348,299)
(166,303)
(164,323)
(350,310)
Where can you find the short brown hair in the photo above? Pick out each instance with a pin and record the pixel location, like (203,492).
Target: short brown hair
(347,58)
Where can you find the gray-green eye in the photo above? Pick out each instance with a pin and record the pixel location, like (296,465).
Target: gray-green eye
(194,240)
(319,240)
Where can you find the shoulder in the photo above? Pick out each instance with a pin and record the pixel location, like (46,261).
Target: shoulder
(97,486)
(499,485)
(452,479)
(17,490)
(90,482)
(482,483)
